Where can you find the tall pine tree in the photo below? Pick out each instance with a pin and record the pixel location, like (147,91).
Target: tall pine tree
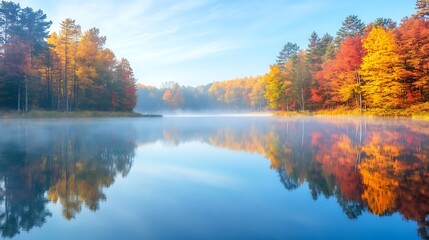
(422,7)
(351,26)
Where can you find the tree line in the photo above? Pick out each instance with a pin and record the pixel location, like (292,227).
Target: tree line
(381,65)
(68,70)
(243,94)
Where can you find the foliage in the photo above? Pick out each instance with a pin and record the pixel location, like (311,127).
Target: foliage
(276,88)
(285,54)
(413,50)
(351,27)
(422,7)
(339,78)
(381,70)
(66,71)
(242,94)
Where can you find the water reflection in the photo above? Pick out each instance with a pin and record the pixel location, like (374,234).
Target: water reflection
(367,165)
(63,162)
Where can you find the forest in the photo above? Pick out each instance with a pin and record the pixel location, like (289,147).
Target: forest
(68,70)
(242,94)
(377,67)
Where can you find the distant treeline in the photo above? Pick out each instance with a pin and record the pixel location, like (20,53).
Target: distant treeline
(64,71)
(246,94)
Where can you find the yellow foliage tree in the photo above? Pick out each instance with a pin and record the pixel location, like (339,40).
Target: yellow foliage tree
(381,70)
(276,87)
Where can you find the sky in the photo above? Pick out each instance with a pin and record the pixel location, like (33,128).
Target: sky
(196,42)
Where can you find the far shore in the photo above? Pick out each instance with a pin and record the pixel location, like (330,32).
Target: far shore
(72,114)
(36,114)
(395,113)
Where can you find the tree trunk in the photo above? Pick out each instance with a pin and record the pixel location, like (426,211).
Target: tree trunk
(59,92)
(26,93)
(66,93)
(359,80)
(302,100)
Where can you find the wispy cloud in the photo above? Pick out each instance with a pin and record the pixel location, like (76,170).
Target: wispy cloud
(177,173)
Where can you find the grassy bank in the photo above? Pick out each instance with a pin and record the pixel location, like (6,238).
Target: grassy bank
(79,114)
(420,111)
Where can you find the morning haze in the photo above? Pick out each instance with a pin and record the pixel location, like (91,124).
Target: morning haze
(209,119)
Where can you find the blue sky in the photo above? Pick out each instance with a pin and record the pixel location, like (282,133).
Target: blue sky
(195,42)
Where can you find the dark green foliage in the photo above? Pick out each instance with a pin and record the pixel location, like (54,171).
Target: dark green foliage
(422,7)
(351,26)
(386,23)
(288,50)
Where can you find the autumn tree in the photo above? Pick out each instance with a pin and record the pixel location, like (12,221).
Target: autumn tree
(339,78)
(257,95)
(124,91)
(276,88)
(316,54)
(381,70)
(172,95)
(413,49)
(301,78)
(68,35)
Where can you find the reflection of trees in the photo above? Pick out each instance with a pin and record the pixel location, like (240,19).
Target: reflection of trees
(369,165)
(72,163)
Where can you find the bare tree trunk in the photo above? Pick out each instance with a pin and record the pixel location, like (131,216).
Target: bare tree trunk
(302,100)
(59,92)
(66,93)
(26,92)
(359,80)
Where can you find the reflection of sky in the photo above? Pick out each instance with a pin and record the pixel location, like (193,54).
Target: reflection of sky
(195,191)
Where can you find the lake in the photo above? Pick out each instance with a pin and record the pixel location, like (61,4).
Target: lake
(214,178)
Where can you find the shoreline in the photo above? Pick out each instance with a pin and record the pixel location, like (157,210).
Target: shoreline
(78,114)
(354,113)
(320,113)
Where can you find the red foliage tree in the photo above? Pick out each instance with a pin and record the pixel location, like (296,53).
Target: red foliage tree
(413,40)
(339,80)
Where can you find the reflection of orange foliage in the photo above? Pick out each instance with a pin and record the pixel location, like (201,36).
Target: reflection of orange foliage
(339,158)
(81,183)
(383,167)
(380,192)
(242,141)
(380,172)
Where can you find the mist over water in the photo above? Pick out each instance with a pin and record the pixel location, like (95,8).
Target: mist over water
(208,176)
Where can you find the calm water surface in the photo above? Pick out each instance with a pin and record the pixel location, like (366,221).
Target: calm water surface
(214,178)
